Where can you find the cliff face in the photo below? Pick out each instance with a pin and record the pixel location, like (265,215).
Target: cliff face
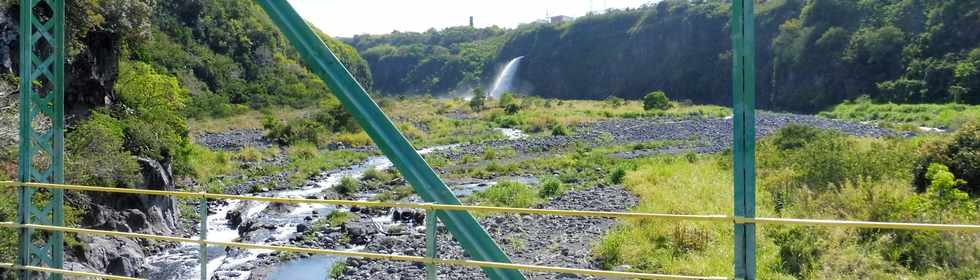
(681,48)
(810,54)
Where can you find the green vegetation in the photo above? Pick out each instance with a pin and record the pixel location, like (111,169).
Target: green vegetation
(99,158)
(338,269)
(327,123)
(339,218)
(229,55)
(509,194)
(617,175)
(478,101)
(348,185)
(898,115)
(804,173)
(959,153)
(656,100)
(813,54)
(551,187)
(306,160)
(431,61)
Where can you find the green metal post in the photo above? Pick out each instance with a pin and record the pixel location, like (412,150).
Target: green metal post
(743,79)
(42,87)
(203,254)
(431,250)
(473,238)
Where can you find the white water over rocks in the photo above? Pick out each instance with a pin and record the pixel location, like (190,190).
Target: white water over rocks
(182,262)
(505,80)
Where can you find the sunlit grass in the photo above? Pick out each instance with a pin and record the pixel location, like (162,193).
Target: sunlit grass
(688,248)
(907,115)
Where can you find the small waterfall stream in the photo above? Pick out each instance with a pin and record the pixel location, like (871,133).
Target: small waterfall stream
(505,80)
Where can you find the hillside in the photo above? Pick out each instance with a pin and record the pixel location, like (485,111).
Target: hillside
(137,72)
(811,54)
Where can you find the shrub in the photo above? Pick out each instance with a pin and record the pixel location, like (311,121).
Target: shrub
(293,131)
(550,187)
(347,186)
(359,139)
(489,153)
(339,218)
(615,101)
(509,121)
(338,269)
(794,136)
(477,103)
(96,155)
(617,175)
(511,109)
(656,100)
(559,130)
(959,154)
(301,151)
(373,173)
(250,154)
(508,194)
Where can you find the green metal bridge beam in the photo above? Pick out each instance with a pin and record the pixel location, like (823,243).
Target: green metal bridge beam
(743,80)
(474,239)
(42,139)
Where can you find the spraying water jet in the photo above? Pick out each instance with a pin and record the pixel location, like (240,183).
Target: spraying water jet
(505,80)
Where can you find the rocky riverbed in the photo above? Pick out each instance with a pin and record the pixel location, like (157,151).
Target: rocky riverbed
(542,240)
(689,134)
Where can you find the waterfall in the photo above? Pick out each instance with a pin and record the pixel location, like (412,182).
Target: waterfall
(505,79)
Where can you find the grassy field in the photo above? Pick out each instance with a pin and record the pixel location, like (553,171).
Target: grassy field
(538,115)
(906,116)
(822,176)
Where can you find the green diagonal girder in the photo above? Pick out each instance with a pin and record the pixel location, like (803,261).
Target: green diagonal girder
(474,239)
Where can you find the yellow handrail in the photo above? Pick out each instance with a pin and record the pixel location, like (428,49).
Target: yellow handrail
(574,213)
(424,260)
(65,272)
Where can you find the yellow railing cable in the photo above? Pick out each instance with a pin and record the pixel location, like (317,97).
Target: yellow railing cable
(416,259)
(575,213)
(65,272)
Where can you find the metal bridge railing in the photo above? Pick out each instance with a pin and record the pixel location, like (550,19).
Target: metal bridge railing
(430,259)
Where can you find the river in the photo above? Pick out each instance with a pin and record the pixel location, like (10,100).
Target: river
(182,262)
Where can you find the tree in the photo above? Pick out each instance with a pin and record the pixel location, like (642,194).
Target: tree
(151,121)
(656,100)
(96,154)
(479,100)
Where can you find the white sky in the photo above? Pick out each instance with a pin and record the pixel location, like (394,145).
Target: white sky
(345,18)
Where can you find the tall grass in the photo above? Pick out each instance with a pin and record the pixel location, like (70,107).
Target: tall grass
(826,176)
(675,185)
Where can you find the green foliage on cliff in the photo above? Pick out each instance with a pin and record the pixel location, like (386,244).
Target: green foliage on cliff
(97,156)
(811,54)
(431,61)
(229,55)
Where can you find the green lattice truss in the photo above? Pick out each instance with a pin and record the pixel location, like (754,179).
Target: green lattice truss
(42,141)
